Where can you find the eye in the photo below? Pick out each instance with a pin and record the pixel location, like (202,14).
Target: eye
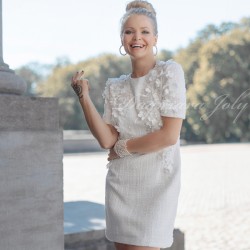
(145,32)
(128,32)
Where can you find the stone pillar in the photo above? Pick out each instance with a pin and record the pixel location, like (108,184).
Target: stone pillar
(31,173)
(10,83)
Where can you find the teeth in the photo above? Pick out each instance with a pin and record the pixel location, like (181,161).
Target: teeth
(137,46)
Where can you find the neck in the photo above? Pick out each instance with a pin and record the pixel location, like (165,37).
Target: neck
(141,67)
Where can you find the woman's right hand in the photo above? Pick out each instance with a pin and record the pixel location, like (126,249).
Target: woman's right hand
(112,155)
(80,85)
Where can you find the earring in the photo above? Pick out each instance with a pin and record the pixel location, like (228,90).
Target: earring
(121,51)
(156,50)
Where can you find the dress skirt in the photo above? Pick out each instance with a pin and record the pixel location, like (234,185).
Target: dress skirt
(141,201)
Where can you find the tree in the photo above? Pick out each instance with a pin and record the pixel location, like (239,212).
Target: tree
(33,73)
(221,88)
(165,55)
(190,59)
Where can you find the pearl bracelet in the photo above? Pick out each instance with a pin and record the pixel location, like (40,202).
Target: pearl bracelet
(121,148)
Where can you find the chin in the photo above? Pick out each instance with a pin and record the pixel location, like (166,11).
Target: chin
(137,53)
(139,56)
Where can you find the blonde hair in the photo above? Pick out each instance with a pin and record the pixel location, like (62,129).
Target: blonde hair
(138,7)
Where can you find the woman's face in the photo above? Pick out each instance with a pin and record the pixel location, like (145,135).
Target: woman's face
(138,36)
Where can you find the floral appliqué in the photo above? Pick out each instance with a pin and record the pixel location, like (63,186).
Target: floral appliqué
(160,96)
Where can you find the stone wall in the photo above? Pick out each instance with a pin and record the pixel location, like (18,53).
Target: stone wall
(80,141)
(96,240)
(31,174)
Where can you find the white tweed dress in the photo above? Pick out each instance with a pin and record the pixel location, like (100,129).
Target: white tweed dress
(142,189)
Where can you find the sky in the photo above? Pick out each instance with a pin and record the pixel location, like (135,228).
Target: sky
(44,30)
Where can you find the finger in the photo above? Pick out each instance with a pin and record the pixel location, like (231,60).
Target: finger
(75,77)
(78,75)
(81,74)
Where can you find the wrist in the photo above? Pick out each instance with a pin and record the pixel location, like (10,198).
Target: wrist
(121,148)
(83,97)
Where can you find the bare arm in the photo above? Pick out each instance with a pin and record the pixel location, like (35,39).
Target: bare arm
(166,136)
(105,134)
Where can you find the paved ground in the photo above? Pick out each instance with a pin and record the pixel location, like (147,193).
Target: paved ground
(214,205)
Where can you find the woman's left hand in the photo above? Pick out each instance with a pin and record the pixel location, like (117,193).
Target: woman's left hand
(112,155)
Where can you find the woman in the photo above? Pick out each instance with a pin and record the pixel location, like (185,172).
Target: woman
(142,119)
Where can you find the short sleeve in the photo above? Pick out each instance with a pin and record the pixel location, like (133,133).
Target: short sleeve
(173,102)
(107,107)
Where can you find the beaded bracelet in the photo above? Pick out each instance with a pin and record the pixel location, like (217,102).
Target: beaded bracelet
(121,148)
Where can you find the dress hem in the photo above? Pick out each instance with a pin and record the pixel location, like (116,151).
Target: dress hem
(136,243)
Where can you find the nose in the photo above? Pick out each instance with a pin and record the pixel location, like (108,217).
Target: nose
(137,36)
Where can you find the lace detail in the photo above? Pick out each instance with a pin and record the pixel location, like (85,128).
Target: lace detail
(166,156)
(118,96)
(163,95)
(173,103)
(150,100)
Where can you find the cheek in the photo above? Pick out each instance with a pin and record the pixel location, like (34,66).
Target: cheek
(151,41)
(125,40)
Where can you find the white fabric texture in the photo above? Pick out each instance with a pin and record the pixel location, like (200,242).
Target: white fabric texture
(142,189)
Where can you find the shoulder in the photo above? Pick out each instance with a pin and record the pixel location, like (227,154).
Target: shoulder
(116,81)
(170,66)
(114,85)
(172,76)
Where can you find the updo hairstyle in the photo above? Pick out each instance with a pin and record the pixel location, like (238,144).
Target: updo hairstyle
(138,7)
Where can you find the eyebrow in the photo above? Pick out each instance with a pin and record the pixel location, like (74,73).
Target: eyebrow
(140,28)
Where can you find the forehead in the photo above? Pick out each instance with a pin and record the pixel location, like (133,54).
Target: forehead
(138,21)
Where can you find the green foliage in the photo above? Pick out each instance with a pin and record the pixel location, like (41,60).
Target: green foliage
(188,58)
(221,88)
(164,55)
(216,65)
(33,73)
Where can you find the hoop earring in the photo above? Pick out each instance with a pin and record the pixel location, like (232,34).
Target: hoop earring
(121,51)
(156,50)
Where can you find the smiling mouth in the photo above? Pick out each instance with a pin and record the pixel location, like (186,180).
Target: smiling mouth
(137,46)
